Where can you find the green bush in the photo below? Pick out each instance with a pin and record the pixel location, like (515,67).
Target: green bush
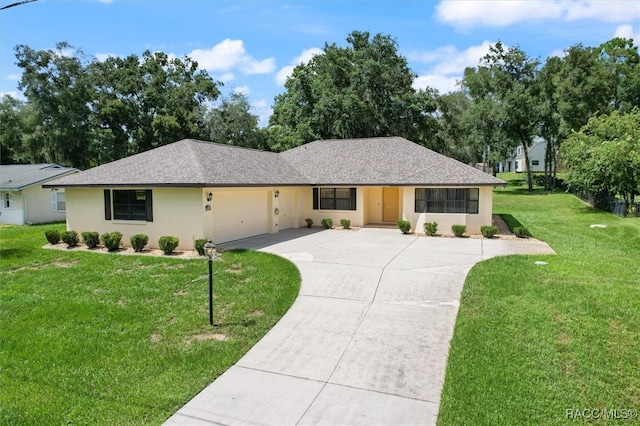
(327,222)
(91,239)
(346,223)
(53,236)
(168,244)
(521,232)
(404,225)
(111,240)
(199,245)
(458,230)
(309,222)
(138,241)
(488,231)
(70,238)
(430,228)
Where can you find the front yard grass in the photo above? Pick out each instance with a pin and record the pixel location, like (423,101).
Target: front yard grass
(89,338)
(532,342)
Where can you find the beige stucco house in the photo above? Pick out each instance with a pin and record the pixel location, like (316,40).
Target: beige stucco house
(194,189)
(24,201)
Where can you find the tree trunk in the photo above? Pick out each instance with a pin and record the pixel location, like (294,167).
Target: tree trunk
(525,146)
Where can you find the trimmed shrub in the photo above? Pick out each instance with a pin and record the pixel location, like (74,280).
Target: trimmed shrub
(53,236)
(199,245)
(91,239)
(168,244)
(70,238)
(521,232)
(111,240)
(404,225)
(327,222)
(430,228)
(488,231)
(309,222)
(458,230)
(138,241)
(346,223)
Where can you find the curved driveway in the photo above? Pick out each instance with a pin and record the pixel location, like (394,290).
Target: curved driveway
(365,342)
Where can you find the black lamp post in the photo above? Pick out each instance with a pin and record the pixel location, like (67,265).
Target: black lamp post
(210,252)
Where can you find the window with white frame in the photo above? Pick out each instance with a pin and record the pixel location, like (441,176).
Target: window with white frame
(7,200)
(58,201)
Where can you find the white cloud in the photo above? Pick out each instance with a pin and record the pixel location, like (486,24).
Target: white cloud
(265,66)
(226,77)
(502,13)
(626,31)
(104,56)
(230,54)
(447,65)
(609,11)
(243,90)
(303,58)
(14,77)
(263,110)
(13,94)
(442,83)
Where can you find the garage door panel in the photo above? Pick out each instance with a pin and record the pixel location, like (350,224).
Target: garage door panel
(239,215)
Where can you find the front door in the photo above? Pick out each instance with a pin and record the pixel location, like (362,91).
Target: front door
(389,204)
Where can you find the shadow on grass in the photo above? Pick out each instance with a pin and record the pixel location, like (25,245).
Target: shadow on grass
(513,223)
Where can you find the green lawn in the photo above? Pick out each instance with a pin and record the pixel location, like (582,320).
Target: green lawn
(89,338)
(532,342)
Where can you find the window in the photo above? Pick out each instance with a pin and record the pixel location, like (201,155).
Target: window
(7,200)
(58,201)
(334,198)
(129,205)
(447,200)
(535,162)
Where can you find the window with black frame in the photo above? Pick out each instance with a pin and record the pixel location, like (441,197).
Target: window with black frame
(132,205)
(447,200)
(334,198)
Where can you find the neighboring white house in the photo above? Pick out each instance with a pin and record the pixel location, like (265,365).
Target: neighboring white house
(23,199)
(516,161)
(194,189)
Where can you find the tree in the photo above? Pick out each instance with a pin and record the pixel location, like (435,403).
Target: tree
(143,103)
(232,122)
(56,86)
(603,158)
(94,112)
(363,90)
(549,116)
(505,88)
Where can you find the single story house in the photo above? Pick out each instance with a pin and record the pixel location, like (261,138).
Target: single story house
(516,161)
(194,189)
(23,199)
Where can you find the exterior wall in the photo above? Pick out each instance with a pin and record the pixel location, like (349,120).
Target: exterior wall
(176,211)
(31,206)
(445,220)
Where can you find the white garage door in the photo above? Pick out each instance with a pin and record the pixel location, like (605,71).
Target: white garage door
(239,215)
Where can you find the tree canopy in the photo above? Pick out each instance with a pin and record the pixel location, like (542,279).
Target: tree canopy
(362,90)
(603,158)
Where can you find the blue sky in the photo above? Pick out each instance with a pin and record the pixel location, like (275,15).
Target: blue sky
(251,46)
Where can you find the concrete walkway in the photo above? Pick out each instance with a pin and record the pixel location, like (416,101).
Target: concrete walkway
(365,342)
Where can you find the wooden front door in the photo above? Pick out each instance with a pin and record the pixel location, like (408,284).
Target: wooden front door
(389,204)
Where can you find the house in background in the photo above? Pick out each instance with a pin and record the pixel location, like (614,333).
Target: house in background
(516,161)
(194,189)
(24,201)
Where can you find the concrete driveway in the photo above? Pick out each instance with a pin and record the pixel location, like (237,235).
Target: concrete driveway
(365,342)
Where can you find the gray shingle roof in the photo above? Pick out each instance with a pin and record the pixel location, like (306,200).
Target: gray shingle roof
(367,161)
(15,177)
(191,163)
(381,161)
